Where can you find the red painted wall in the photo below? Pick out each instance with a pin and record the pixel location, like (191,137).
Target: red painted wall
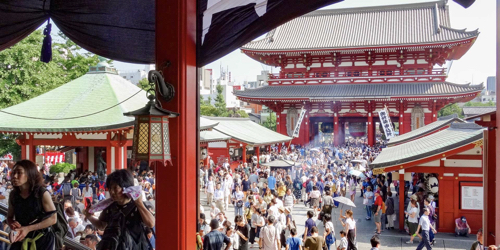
(217,152)
(407,122)
(428,118)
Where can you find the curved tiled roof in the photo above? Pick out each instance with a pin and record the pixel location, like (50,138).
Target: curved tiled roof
(360,90)
(458,135)
(427,129)
(396,25)
(90,93)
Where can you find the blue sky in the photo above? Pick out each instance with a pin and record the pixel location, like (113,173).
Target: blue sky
(477,64)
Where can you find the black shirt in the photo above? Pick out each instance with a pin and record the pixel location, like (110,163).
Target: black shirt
(246,185)
(245,230)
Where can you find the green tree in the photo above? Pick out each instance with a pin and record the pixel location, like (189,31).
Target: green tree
(220,103)
(479,104)
(23,76)
(270,122)
(144,84)
(451,109)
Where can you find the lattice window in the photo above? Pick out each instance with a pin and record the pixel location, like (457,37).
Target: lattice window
(156,138)
(142,145)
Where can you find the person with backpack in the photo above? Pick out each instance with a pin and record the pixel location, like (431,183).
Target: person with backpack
(123,221)
(31,210)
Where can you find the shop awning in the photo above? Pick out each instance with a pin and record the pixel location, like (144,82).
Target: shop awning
(458,135)
(442,122)
(246,131)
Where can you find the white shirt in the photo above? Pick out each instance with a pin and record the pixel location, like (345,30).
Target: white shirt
(414,219)
(424,222)
(210,187)
(219,194)
(350,223)
(329,225)
(75,230)
(87,193)
(343,243)
(238,195)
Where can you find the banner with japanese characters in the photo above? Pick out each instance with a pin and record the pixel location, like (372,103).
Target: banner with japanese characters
(386,122)
(299,122)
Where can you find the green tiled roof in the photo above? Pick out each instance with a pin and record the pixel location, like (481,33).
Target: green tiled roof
(213,136)
(244,130)
(207,124)
(427,129)
(87,94)
(459,134)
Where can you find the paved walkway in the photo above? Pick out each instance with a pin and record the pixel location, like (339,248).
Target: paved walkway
(393,239)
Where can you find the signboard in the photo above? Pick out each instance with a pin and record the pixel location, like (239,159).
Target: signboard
(297,125)
(472,198)
(236,88)
(385,120)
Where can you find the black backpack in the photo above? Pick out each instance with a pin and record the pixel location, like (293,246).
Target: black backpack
(60,229)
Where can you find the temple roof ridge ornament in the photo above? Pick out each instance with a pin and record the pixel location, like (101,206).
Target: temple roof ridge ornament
(102,67)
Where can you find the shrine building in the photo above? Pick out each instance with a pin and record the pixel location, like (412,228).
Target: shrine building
(344,65)
(85,114)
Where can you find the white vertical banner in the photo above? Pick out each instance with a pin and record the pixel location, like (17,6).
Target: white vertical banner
(386,122)
(299,122)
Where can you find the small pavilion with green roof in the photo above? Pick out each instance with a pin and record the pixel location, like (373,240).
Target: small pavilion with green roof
(86,113)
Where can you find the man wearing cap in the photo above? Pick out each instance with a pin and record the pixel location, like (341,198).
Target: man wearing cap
(462,227)
(425,225)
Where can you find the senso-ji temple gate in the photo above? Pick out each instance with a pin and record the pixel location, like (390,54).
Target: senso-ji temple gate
(370,58)
(85,114)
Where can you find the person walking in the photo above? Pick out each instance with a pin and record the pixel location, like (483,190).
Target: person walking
(289,199)
(368,202)
(257,222)
(88,194)
(215,239)
(378,211)
(269,236)
(315,241)
(242,229)
(293,242)
(350,227)
(413,221)
(343,241)
(28,202)
(309,225)
(329,231)
(389,211)
(219,197)
(238,201)
(209,190)
(425,225)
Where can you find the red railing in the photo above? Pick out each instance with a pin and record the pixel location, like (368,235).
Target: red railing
(356,73)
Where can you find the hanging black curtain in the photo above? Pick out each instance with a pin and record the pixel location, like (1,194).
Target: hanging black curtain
(117,29)
(124,30)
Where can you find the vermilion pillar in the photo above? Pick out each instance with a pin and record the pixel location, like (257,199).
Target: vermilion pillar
(336,136)
(402,197)
(278,122)
(257,152)
(371,136)
(490,213)
(244,153)
(177,206)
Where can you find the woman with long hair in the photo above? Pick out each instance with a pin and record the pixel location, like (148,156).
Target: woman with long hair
(31,210)
(350,228)
(88,194)
(123,221)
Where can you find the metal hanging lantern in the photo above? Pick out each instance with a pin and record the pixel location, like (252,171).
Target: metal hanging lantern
(151,141)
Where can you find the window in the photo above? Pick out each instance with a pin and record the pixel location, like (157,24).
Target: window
(389,72)
(382,73)
(349,73)
(356,73)
(131,76)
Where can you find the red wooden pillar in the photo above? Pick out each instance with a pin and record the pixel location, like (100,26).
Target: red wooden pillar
(176,43)
(434,111)
(307,129)
(244,153)
(85,158)
(402,196)
(490,214)
(257,152)
(371,136)
(336,136)
(278,121)
(401,118)
(109,160)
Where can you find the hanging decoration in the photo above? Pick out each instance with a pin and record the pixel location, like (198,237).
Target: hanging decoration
(46,55)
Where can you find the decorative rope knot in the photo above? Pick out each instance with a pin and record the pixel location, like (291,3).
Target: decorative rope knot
(46,55)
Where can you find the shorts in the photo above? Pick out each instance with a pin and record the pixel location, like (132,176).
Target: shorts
(412,227)
(315,202)
(377,216)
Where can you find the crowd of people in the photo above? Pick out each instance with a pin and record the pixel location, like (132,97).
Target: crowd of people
(264,198)
(24,184)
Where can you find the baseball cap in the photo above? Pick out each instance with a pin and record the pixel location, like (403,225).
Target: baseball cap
(463,219)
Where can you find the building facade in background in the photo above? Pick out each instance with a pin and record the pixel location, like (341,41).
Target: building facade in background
(134,76)
(389,57)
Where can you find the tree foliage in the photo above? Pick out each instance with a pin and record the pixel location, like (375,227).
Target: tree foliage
(451,109)
(270,122)
(219,108)
(23,76)
(479,104)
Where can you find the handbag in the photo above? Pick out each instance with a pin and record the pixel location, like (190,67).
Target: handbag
(239,203)
(365,201)
(330,239)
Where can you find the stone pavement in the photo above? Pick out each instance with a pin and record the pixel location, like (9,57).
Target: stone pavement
(390,240)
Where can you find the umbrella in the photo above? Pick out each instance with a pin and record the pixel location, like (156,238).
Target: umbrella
(314,149)
(345,201)
(357,174)
(357,161)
